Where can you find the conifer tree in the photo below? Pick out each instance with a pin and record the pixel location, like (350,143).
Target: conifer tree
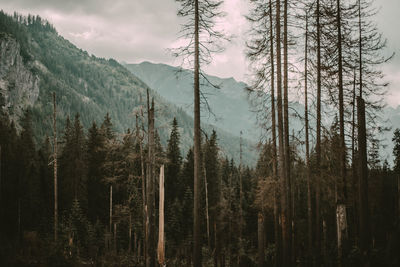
(173,165)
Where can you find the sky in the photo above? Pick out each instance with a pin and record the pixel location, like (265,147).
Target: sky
(133,31)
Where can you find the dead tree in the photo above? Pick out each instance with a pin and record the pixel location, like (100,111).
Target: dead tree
(288,222)
(318,144)
(309,204)
(203,41)
(139,138)
(150,243)
(55,166)
(341,210)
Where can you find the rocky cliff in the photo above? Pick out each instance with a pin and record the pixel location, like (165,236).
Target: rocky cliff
(19,85)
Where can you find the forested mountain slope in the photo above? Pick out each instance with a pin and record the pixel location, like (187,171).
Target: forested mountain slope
(35,61)
(229,106)
(232,109)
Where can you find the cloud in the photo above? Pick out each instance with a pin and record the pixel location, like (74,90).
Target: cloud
(138,30)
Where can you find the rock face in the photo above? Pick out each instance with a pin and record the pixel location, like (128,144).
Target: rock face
(19,86)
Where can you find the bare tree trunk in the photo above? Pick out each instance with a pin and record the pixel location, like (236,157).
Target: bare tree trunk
(398,196)
(140,138)
(207,216)
(354,166)
(196,151)
(341,225)
(230,220)
(261,256)
(1,207)
(288,208)
(150,244)
(318,145)
(240,200)
(365,237)
(285,249)
(55,166)
(161,242)
(111,201)
(115,237)
(274,152)
(342,199)
(130,233)
(309,207)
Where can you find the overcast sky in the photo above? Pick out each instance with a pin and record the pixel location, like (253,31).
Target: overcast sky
(133,31)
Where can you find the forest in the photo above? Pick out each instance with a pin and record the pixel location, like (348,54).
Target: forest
(98,196)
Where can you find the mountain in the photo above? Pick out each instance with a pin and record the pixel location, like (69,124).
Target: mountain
(231,106)
(230,109)
(35,61)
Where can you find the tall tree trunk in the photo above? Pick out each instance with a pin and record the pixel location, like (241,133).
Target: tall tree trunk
(342,197)
(150,244)
(318,145)
(285,249)
(365,238)
(206,191)
(398,197)
(111,203)
(140,139)
(115,237)
(309,208)
(130,233)
(196,151)
(354,165)
(1,203)
(240,200)
(230,219)
(261,256)
(288,209)
(55,166)
(274,152)
(161,242)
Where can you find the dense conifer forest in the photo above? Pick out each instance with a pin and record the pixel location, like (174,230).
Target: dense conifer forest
(79,188)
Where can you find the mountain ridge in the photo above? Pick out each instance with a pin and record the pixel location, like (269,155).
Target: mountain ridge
(84,84)
(159,76)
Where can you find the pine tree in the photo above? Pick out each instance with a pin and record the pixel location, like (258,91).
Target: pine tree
(174,187)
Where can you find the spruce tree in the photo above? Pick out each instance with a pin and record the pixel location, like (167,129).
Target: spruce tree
(173,186)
